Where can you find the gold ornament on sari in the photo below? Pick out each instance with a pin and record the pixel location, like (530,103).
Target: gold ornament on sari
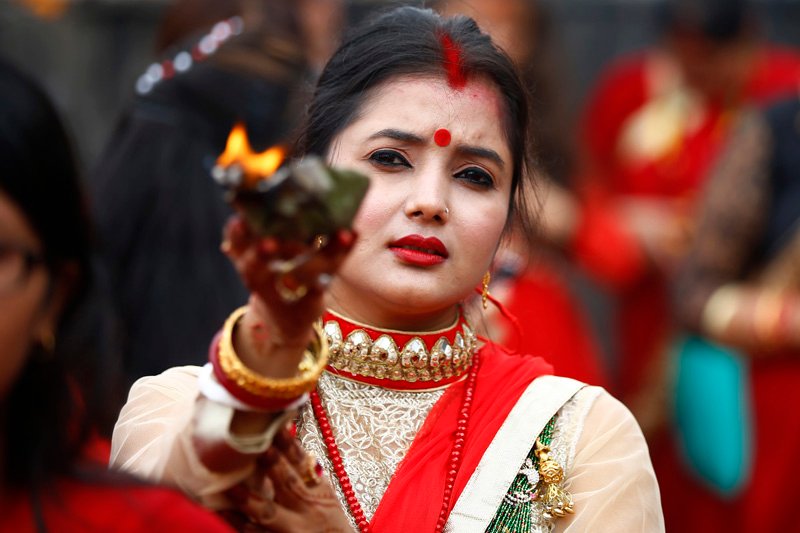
(536,492)
(557,501)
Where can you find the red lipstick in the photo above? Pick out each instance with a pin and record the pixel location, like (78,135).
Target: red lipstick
(419,251)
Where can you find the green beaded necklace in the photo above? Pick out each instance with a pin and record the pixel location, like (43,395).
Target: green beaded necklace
(514,513)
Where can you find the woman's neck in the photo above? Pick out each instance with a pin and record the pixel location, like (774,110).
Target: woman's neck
(378,317)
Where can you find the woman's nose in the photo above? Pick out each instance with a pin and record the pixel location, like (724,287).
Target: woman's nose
(428,198)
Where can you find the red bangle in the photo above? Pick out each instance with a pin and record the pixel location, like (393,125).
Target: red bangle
(244,396)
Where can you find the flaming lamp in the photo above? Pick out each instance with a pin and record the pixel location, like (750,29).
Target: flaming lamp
(296,201)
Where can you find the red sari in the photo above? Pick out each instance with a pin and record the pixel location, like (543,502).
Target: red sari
(419,482)
(118,506)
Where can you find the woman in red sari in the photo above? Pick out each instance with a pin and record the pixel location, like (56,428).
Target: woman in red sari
(740,287)
(650,135)
(50,478)
(418,424)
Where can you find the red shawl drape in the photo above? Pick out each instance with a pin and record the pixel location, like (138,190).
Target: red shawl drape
(413,500)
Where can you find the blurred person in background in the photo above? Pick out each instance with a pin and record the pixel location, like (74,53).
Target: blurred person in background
(158,211)
(740,287)
(53,473)
(651,131)
(528,274)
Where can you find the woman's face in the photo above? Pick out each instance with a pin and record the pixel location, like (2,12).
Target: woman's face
(22,292)
(441,173)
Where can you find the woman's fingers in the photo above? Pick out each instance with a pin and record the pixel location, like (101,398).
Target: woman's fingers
(304,463)
(286,492)
(290,489)
(302,489)
(310,272)
(298,480)
(317,272)
(236,236)
(287,279)
(256,508)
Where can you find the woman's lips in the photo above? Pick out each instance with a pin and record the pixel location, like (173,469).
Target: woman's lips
(419,250)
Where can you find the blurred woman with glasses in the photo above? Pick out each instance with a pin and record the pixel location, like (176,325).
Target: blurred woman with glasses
(50,395)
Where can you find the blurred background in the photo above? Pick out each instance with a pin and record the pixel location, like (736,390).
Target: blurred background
(89,53)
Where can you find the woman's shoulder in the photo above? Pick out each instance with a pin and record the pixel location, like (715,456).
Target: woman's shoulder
(187,372)
(179,379)
(601,406)
(591,406)
(159,395)
(593,415)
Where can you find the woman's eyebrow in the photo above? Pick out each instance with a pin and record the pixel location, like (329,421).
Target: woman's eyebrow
(485,153)
(405,136)
(398,135)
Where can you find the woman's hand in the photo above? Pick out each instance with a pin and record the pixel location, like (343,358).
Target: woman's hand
(286,492)
(287,281)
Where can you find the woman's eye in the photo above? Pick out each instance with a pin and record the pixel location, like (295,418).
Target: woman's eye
(389,159)
(476,176)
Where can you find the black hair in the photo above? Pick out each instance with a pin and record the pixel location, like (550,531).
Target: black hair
(409,41)
(721,21)
(156,209)
(45,416)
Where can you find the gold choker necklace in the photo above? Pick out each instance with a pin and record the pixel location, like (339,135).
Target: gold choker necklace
(426,359)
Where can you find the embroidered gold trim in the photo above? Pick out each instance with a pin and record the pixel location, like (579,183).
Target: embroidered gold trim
(382,358)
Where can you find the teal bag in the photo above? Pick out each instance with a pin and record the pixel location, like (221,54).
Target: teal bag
(713,414)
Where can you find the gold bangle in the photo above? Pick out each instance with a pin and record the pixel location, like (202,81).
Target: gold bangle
(315,358)
(720,310)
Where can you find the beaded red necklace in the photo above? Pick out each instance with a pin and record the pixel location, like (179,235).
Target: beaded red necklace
(453,464)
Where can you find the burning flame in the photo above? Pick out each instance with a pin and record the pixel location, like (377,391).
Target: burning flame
(255,166)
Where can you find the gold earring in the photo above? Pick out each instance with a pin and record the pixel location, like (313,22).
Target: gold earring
(485,293)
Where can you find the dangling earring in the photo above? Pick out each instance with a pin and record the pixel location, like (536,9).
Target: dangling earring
(320,241)
(485,293)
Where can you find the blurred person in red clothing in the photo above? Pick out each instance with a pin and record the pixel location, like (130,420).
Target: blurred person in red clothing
(654,127)
(739,287)
(51,394)
(650,133)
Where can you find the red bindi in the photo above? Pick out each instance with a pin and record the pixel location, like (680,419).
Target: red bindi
(442,137)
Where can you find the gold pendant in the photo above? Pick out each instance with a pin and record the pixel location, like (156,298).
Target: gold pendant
(557,501)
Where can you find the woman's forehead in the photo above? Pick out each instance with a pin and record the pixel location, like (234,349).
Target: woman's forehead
(436,90)
(425,104)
